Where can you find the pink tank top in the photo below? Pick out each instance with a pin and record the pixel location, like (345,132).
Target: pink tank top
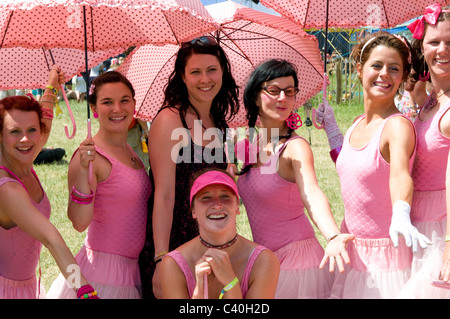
(19,252)
(432,153)
(364,177)
(120,211)
(190,279)
(274,206)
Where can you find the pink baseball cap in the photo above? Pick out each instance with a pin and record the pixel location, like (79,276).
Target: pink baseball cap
(212,178)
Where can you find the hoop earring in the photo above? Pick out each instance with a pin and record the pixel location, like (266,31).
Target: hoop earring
(294,121)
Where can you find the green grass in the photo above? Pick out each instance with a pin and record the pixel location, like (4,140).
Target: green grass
(54,176)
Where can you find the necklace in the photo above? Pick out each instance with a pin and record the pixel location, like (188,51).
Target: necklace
(432,100)
(226,245)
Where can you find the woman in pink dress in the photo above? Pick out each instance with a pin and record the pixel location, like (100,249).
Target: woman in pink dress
(374,168)
(280,183)
(429,207)
(235,267)
(24,206)
(113,205)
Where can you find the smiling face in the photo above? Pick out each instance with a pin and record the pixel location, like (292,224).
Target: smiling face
(436,48)
(20,136)
(215,208)
(382,73)
(115,107)
(276,106)
(203,78)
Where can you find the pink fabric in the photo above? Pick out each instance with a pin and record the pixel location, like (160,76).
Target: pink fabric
(377,269)
(112,276)
(364,177)
(134,22)
(19,255)
(190,279)
(120,211)
(248,37)
(14,74)
(430,15)
(300,276)
(349,13)
(432,152)
(274,206)
(115,236)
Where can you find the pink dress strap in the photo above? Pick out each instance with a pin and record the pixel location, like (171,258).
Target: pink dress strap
(248,269)
(190,279)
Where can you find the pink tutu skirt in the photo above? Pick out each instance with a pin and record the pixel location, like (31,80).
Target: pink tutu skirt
(428,215)
(112,276)
(21,289)
(377,270)
(300,276)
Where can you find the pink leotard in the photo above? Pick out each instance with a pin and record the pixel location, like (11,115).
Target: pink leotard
(19,252)
(190,279)
(274,206)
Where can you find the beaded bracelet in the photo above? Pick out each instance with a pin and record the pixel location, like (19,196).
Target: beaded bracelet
(87,292)
(229,287)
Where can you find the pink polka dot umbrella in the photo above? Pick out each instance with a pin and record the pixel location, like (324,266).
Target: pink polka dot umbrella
(248,37)
(99,25)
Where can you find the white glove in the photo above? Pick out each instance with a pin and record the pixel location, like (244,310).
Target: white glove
(325,115)
(401,225)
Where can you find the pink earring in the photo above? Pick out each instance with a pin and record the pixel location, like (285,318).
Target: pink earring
(95,114)
(294,121)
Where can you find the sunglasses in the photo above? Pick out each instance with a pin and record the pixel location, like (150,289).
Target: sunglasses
(275,90)
(206,40)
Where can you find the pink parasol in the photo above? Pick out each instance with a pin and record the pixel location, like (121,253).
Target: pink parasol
(22,68)
(348,13)
(248,37)
(94,25)
(110,24)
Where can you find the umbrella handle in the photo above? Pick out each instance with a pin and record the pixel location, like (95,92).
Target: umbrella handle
(205,286)
(74,125)
(90,163)
(313,113)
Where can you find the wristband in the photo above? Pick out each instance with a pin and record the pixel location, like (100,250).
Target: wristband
(229,287)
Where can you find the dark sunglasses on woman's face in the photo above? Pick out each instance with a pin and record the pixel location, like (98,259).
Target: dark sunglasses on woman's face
(206,40)
(275,90)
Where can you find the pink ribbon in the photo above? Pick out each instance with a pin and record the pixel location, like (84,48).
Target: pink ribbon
(431,16)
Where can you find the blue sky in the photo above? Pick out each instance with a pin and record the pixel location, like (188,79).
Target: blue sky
(259,7)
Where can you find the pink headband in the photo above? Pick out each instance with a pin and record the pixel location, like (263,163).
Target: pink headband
(430,15)
(212,178)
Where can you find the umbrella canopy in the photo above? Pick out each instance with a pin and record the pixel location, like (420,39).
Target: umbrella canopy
(349,13)
(248,37)
(22,68)
(110,24)
(99,25)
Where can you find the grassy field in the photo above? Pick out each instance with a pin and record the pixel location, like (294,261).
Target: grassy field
(54,176)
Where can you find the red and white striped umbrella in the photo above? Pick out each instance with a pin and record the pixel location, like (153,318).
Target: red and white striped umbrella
(248,37)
